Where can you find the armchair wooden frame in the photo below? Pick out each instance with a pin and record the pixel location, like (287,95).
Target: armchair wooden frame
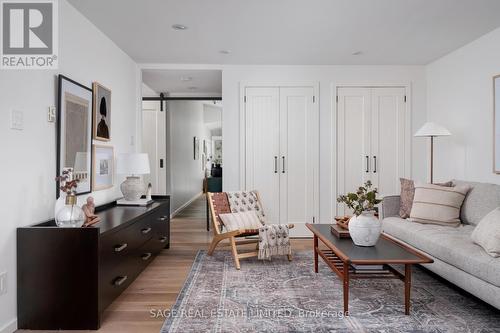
(234,236)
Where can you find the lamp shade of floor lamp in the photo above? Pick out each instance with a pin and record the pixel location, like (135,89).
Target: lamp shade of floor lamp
(432,130)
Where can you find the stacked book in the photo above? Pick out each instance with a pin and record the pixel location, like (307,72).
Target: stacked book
(368,268)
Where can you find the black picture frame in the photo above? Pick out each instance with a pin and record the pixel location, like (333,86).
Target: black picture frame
(59,168)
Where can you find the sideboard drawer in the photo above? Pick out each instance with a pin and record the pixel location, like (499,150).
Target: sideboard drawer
(113,280)
(122,242)
(161,225)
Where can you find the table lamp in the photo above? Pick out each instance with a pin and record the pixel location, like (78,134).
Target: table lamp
(133,165)
(432,130)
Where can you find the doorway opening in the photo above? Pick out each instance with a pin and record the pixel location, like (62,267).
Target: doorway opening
(182,133)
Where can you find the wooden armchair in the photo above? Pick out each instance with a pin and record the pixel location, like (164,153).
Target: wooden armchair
(219,204)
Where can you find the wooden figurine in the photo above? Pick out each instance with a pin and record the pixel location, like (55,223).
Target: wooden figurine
(89,210)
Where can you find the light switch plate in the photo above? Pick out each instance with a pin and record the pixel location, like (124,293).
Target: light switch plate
(16,120)
(51,115)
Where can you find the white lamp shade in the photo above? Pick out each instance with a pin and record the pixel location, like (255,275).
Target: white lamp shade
(132,164)
(432,129)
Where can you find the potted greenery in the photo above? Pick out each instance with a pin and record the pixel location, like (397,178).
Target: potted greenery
(364,227)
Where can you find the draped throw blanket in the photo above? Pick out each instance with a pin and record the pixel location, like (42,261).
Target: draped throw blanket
(274,240)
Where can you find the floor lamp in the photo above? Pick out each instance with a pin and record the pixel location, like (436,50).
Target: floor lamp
(432,130)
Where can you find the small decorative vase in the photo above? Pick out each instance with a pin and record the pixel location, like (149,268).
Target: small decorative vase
(70,215)
(132,188)
(365,229)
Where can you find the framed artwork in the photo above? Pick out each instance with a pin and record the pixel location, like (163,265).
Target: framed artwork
(496,124)
(74,132)
(104,166)
(196,148)
(102,112)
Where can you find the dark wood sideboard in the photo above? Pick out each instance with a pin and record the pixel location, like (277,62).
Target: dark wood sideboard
(66,277)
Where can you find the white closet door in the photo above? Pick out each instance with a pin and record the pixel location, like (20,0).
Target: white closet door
(353,140)
(298,157)
(262,147)
(388,139)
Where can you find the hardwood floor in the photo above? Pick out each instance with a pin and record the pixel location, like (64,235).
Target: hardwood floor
(157,287)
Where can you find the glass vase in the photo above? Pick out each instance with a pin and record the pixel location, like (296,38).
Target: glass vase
(70,215)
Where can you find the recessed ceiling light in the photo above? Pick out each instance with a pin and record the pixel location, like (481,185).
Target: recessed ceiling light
(179,27)
(186,78)
(192,88)
(225,51)
(357,53)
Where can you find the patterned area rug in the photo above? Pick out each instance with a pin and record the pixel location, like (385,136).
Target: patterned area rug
(282,296)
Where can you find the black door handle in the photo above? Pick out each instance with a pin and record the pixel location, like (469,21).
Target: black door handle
(367,163)
(161,162)
(275,164)
(283,159)
(374,164)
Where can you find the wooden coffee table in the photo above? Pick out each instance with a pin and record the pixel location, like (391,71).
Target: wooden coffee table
(340,253)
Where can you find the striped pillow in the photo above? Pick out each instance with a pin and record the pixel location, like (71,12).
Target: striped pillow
(241,221)
(435,204)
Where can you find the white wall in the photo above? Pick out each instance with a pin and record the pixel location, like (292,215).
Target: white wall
(328,77)
(148,91)
(29,156)
(186,122)
(460,97)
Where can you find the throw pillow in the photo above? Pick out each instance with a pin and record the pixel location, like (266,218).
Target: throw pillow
(242,220)
(243,201)
(407,194)
(436,204)
(487,233)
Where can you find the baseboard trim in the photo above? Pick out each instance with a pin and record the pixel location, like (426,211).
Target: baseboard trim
(10,327)
(181,208)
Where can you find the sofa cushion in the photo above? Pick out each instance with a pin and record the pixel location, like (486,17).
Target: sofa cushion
(480,200)
(487,233)
(435,204)
(408,193)
(451,245)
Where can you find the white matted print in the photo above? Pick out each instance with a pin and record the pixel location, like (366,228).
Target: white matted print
(104,166)
(496,124)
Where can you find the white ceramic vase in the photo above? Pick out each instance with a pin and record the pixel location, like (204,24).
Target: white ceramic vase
(132,188)
(365,229)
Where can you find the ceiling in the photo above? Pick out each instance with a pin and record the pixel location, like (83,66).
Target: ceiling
(184,82)
(295,32)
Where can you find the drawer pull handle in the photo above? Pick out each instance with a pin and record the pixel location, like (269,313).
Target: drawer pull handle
(146,230)
(146,256)
(163,239)
(120,248)
(163,218)
(120,280)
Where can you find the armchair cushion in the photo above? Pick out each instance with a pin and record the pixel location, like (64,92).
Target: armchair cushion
(241,221)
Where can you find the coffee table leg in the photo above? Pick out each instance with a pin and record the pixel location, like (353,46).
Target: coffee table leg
(315,254)
(407,288)
(345,280)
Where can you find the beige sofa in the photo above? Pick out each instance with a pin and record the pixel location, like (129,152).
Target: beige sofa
(456,257)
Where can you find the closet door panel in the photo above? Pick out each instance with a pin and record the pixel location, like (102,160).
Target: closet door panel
(262,147)
(298,156)
(354,162)
(388,139)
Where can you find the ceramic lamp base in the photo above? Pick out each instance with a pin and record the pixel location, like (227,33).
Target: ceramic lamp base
(132,188)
